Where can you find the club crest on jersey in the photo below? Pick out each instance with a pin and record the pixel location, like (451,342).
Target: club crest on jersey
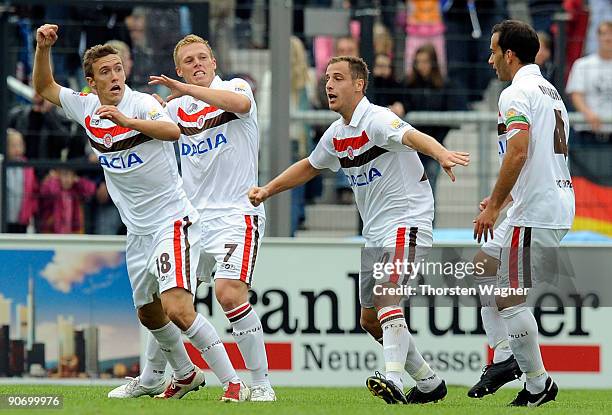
(200,121)
(108,140)
(350,152)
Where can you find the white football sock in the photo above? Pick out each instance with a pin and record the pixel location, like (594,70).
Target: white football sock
(494,326)
(248,333)
(523,337)
(396,340)
(418,369)
(171,345)
(155,363)
(205,338)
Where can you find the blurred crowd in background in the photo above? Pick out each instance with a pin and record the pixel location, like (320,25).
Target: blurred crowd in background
(427,56)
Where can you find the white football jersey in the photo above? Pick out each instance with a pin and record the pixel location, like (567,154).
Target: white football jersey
(219,152)
(387,177)
(141,173)
(543,194)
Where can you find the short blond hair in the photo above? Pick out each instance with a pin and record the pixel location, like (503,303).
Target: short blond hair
(187,40)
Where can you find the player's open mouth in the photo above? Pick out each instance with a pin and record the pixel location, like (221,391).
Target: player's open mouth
(115,88)
(331,97)
(198,73)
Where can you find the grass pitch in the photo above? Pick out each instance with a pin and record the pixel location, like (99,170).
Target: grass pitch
(295,401)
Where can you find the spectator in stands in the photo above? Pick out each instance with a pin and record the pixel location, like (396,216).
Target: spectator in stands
(99,23)
(590,88)
(47,132)
(428,90)
(467,52)
(107,220)
(323,46)
(542,12)
(299,96)
(387,90)
(222,32)
(590,83)
(383,41)
(125,55)
(301,144)
(62,195)
(21,186)
(576,30)
(67,68)
(599,11)
(424,25)
(344,46)
(143,57)
(544,58)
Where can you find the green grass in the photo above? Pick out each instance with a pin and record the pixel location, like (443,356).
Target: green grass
(294,401)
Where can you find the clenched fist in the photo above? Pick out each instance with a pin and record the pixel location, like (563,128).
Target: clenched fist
(46,35)
(258,195)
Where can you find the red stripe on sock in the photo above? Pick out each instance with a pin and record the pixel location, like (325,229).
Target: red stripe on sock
(390,313)
(237,311)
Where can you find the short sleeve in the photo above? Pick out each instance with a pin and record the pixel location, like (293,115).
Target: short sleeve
(242,87)
(324,156)
(151,110)
(389,129)
(74,104)
(577,78)
(515,111)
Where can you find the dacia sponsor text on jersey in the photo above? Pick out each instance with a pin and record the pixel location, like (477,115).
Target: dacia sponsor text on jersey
(203,146)
(365,178)
(120,162)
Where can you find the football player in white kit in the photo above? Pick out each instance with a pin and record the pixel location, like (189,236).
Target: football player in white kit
(219,148)
(377,152)
(504,367)
(130,133)
(534,173)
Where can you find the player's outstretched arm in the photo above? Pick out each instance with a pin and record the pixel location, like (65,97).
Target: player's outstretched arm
(296,175)
(428,145)
(225,100)
(42,76)
(160,130)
